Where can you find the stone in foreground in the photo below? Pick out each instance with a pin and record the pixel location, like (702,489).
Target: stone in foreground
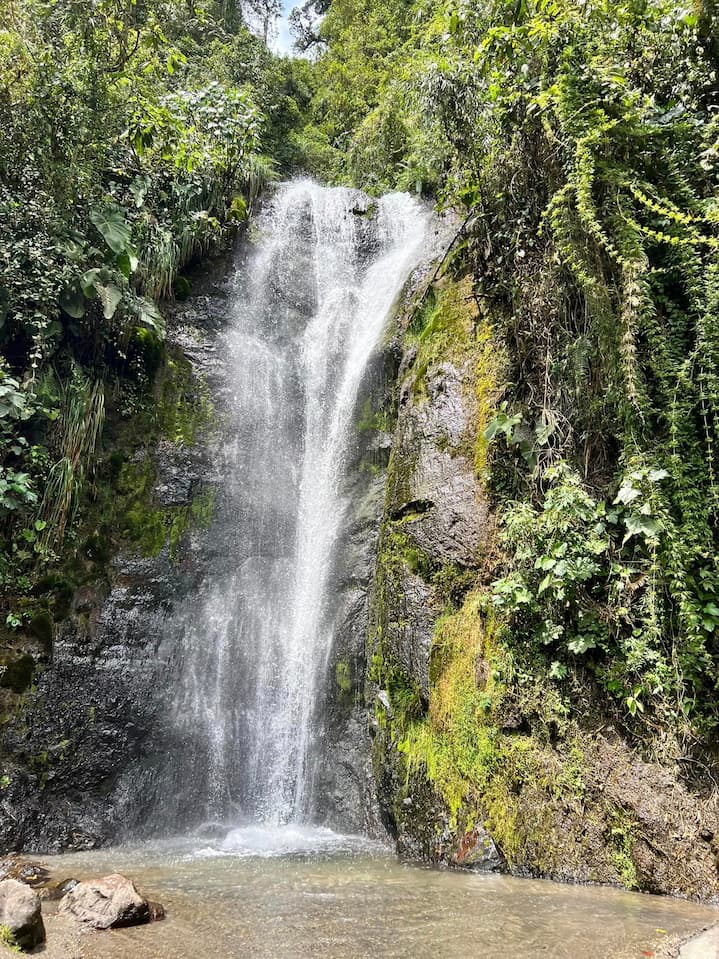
(20,913)
(108,903)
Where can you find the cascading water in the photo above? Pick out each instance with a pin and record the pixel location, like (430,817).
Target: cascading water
(309,308)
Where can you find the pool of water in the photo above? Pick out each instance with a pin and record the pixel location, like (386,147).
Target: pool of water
(299,893)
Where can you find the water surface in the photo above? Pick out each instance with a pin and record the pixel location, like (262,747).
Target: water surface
(299,893)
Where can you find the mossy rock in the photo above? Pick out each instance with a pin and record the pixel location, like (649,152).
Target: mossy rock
(17,673)
(182,288)
(343,675)
(41,627)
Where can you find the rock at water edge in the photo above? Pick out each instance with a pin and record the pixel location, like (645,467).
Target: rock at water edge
(20,914)
(107,903)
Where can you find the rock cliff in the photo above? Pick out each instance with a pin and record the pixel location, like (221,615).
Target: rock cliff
(480,758)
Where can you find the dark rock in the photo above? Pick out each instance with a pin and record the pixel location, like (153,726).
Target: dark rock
(20,913)
(476,850)
(157,911)
(41,628)
(16,672)
(31,873)
(345,793)
(178,474)
(55,890)
(108,903)
(412,612)
(433,486)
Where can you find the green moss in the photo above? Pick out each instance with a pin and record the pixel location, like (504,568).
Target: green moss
(452,583)
(183,406)
(472,747)
(17,672)
(178,528)
(571,779)
(198,514)
(443,329)
(448,327)
(399,550)
(621,843)
(144,523)
(371,420)
(487,369)
(343,676)
(369,466)
(41,759)
(202,508)
(456,743)
(126,499)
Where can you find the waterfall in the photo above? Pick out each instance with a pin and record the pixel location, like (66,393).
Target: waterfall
(309,306)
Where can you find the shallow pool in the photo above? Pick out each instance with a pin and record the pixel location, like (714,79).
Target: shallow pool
(298,893)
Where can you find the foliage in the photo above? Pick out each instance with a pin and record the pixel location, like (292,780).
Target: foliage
(134,137)
(7,939)
(593,580)
(579,142)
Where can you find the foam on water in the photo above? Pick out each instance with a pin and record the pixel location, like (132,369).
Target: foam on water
(268,842)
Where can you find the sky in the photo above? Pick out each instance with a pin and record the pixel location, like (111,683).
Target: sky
(282,43)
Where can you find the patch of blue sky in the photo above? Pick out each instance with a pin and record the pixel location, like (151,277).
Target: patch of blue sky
(281,42)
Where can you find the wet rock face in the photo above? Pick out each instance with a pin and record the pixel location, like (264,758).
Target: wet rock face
(20,913)
(344,794)
(82,750)
(410,628)
(433,488)
(86,744)
(435,529)
(436,515)
(583,804)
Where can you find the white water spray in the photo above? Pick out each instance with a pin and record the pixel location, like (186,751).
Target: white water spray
(321,283)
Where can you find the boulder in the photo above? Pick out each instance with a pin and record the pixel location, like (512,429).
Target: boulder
(476,851)
(107,903)
(20,914)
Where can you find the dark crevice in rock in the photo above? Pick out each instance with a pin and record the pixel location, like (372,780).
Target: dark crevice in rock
(412,509)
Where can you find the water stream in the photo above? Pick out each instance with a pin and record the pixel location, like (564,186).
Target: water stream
(308,310)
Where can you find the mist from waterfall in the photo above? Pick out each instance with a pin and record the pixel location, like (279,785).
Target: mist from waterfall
(309,307)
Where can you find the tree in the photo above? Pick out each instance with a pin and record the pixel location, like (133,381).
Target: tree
(304,25)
